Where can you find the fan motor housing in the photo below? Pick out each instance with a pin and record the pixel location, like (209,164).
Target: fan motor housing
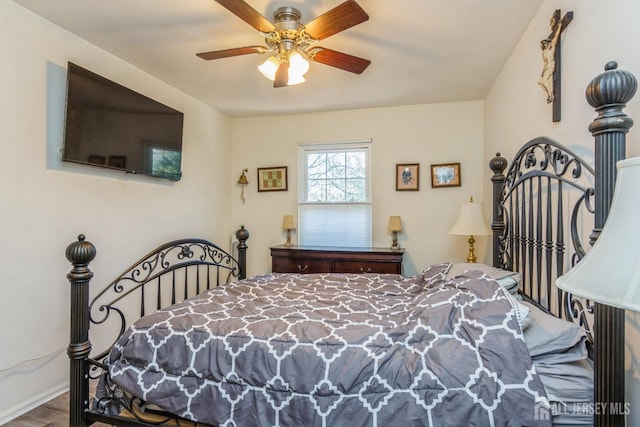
(287,13)
(287,18)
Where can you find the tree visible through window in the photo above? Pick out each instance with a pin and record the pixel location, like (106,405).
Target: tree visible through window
(337,177)
(165,163)
(334,204)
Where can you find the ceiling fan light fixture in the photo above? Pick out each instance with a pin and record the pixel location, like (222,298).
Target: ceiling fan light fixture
(268,68)
(298,67)
(298,64)
(291,42)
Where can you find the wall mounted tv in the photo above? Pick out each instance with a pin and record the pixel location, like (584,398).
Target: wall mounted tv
(111,126)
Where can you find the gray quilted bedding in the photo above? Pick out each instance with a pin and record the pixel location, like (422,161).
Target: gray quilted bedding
(337,350)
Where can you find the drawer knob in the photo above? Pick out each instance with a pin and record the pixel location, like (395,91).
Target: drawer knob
(363,271)
(302,269)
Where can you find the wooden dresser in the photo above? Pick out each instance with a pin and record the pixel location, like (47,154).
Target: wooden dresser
(309,259)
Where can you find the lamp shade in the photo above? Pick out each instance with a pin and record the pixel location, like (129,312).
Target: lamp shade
(287,223)
(395,223)
(610,272)
(471,221)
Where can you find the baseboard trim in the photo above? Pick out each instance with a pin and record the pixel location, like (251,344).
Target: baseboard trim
(33,403)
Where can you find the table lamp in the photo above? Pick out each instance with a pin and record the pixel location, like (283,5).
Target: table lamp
(471,222)
(610,272)
(287,224)
(395,226)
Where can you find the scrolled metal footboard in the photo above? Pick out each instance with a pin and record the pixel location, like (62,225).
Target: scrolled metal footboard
(165,276)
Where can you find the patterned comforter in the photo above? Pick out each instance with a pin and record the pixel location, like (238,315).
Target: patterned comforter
(337,350)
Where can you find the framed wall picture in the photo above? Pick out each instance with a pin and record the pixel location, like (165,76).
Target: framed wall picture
(97,160)
(118,161)
(408,177)
(445,175)
(272,179)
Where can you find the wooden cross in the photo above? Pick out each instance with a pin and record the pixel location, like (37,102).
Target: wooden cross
(550,79)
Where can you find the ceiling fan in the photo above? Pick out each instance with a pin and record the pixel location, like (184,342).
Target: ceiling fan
(290,42)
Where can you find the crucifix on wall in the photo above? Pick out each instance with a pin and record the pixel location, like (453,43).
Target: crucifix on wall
(550,77)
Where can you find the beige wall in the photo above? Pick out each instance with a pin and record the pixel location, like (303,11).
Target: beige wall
(45,204)
(516,111)
(424,134)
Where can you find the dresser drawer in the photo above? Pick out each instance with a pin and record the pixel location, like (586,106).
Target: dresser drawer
(299,265)
(366,267)
(305,259)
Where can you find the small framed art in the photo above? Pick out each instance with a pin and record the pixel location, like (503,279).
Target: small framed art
(118,161)
(408,177)
(445,175)
(97,160)
(272,179)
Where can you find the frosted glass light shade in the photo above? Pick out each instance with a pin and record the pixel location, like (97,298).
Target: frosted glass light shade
(610,272)
(268,68)
(298,67)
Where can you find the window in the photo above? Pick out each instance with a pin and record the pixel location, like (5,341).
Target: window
(334,206)
(162,161)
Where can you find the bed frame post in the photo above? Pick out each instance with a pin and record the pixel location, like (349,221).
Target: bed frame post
(608,93)
(242,235)
(80,254)
(498,165)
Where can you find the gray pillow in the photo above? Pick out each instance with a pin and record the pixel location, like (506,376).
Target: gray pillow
(567,382)
(493,272)
(553,340)
(509,280)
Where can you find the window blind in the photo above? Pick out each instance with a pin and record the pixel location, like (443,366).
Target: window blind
(344,224)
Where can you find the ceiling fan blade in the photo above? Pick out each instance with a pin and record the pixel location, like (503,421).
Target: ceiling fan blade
(248,14)
(226,53)
(341,17)
(282,75)
(339,60)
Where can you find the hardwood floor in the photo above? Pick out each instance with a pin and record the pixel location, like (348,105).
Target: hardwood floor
(54,413)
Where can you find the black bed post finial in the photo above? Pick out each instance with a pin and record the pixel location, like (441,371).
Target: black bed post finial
(80,253)
(242,235)
(609,93)
(498,165)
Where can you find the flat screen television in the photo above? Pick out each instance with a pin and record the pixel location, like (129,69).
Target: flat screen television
(111,126)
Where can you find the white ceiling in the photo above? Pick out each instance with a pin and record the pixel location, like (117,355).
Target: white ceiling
(421,51)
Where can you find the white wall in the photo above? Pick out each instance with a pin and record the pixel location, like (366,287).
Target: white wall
(424,134)
(516,108)
(45,204)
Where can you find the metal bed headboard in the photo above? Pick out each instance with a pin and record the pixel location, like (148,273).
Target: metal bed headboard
(516,239)
(541,207)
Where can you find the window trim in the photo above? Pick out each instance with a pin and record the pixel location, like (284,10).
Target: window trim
(361,238)
(355,145)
